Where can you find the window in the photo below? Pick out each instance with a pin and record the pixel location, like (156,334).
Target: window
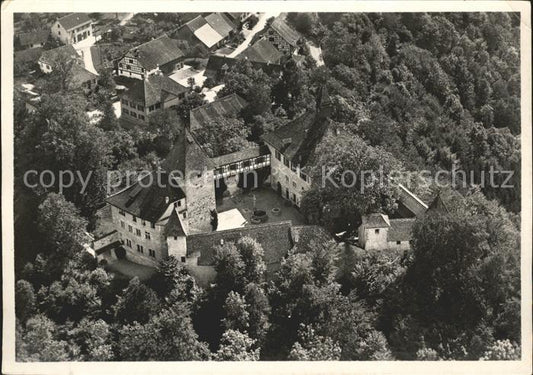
(147,235)
(130,228)
(179,203)
(141,117)
(157,105)
(143,223)
(128,243)
(303,176)
(134,218)
(140,249)
(120,65)
(142,70)
(182,259)
(122,224)
(152,253)
(185,215)
(122,212)
(271,39)
(58,26)
(59,32)
(175,238)
(294,197)
(128,67)
(376,231)
(293,184)
(130,61)
(133,114)
(277,154)
(286,162)
(125,111)
(398,242)
(138,232)
(151,108)
(152,225)
(140,107)
(286,178)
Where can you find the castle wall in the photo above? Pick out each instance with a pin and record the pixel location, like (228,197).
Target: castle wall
(200,193)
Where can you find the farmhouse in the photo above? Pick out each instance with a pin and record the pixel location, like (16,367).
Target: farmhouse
(158,55)
(282,36)
(153,92)
(228,106)
(262,51)
(210,32)
(33,39)
(72,28)
(59,56)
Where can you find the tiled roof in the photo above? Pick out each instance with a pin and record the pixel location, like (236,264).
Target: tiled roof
(156,52)
(240,155)
(288,34)
(74,20)
(262,51)
(376,221)
(216,63)
(174,227)
(196,23)
(220,23)
(147,200)
(28,55)
(59,54)
(400,230)
(154,89)
(33,37)
(297,140)
(275,238)
(227,106)
(208,36)
(78,75)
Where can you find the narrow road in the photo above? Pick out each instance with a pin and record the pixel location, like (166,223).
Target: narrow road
(84,48)
(263,17)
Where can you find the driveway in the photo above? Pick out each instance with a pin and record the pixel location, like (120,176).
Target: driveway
(84,48)
(263,17)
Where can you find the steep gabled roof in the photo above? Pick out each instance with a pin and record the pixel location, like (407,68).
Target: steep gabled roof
(207,35)
(186,155)
(157,52)
(146,199)
(77,75)
(73,20)
(195,23)
(288,34)
(154,89)
(39,36)
(400,230)
(221,23)
(376,221)
(262,51)
(275,238)
(174,227)
(226,106)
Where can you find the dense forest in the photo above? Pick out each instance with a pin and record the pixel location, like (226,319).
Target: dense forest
(410,92)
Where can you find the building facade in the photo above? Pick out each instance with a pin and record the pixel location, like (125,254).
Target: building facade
(160,55)
(72,28)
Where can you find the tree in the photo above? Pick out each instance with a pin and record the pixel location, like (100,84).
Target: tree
(25,302)
(105,80)
(63,230)
(502,350)
(237,316)
(173,281)
(137,303)
(237,346)
(168,336)
(252,255)
(192,100)
(312,347)
(93,339)
(223,135)
(165,123)
(353,180)
(39,342)
(109,120)
(258,309)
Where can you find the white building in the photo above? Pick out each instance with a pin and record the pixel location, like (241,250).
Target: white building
(72,28)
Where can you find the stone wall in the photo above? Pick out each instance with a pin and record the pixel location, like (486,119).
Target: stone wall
(200,193)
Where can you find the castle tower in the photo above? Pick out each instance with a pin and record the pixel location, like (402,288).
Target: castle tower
(196,171)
